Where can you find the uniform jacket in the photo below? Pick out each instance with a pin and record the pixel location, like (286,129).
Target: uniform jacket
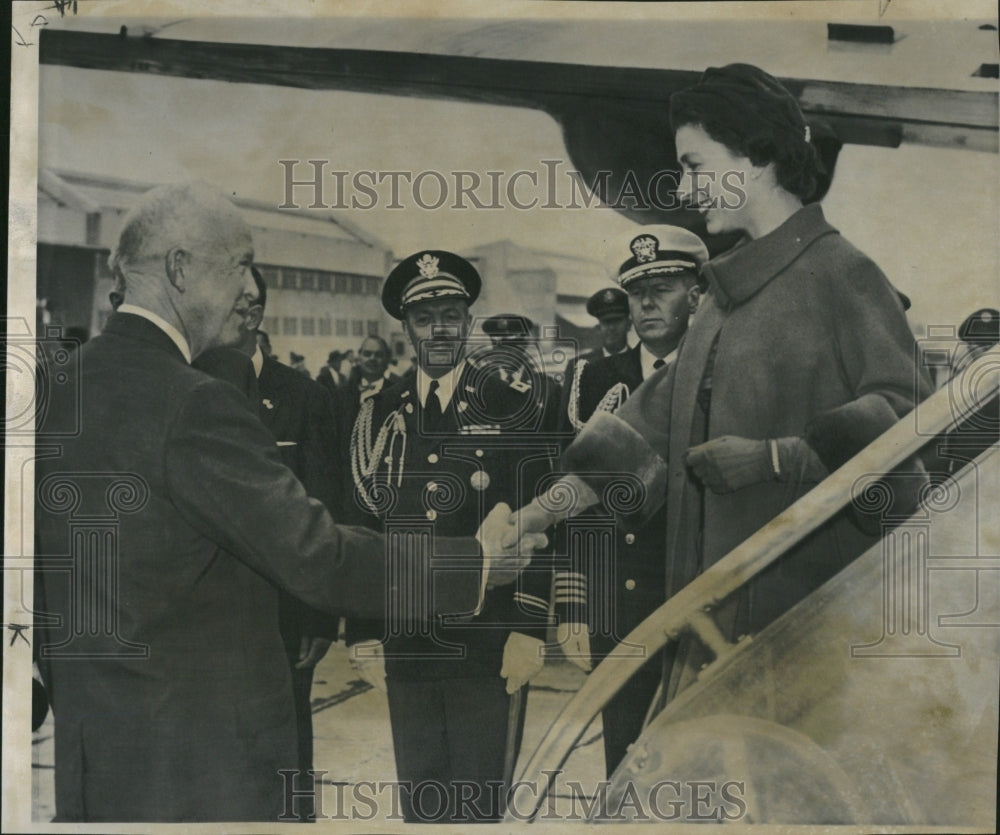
(349,395)
(601,375)
(445,479)
(811,341)
(624,366)
(162,502)
(626,588)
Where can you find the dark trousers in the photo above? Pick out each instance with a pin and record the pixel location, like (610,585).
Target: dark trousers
(450,738)
(301,688)
(624,714)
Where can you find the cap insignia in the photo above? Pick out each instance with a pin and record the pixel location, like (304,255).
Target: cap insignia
(644,248)
(428,265)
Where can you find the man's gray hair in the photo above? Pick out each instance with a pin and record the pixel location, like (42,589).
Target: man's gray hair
(169,216)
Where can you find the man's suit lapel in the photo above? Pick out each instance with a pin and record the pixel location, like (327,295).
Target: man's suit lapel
(273,401)
(631,362)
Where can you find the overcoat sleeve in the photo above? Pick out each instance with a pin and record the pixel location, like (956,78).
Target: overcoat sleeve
(631,440)
(876,352)
(225,476)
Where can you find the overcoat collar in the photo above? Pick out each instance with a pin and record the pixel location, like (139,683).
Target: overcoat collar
(138,327)
(738,274)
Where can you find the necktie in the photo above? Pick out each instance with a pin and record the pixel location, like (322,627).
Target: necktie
(367,390)
(432,407)
(658,364)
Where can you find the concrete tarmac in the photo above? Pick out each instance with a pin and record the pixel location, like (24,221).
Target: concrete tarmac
(353,743)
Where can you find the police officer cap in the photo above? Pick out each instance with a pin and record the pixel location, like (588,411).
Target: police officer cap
(607,303)
(508,326)
(659,250)
(429,275)
(981,328)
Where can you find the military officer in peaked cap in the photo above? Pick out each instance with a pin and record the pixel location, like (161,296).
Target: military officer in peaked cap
(429,456)
(657,270)
(610,308)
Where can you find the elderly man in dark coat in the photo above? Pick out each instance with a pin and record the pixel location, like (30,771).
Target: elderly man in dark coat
(166,523)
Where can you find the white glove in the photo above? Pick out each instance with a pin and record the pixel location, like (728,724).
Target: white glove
(574,641)
(368,661)
(523,659)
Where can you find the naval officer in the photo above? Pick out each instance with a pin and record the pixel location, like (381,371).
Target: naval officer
(657,270)
(429,454)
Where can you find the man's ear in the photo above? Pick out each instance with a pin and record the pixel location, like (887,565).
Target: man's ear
(176,262)
(254,317)
(694,296)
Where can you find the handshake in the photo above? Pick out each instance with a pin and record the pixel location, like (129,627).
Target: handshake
(509,540)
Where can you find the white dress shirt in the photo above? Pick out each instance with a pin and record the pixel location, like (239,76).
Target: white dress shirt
(647,359)
(446,385)
(258,361)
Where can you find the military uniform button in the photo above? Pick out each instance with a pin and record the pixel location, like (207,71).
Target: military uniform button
(432,458)
(431,486)
(432,514)
(629,538)
(630,584)
(479,453)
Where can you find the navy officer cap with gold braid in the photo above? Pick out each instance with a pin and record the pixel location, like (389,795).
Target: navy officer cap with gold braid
(429,275)
(658,250)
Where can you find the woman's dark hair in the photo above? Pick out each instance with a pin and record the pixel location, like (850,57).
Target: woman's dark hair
(749,112)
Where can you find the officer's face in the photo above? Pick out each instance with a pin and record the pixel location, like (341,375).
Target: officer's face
(660,306)
(437,330)
(714,180)
(372,359)
(614,332)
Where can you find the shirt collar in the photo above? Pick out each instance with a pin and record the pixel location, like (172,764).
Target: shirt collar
(607,353)
(446,385)
(258,361)
(175,335)
(647,359)
(738,274)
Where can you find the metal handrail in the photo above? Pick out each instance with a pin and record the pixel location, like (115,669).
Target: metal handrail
(939,413)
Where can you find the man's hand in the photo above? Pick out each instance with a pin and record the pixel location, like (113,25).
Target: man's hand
(368,661)
(729,463)
(311,651)
(523,659)
(574,641)
(530,519)
(506,549)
